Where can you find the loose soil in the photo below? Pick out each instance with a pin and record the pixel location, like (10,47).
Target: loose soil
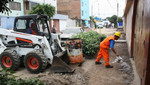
(89,73)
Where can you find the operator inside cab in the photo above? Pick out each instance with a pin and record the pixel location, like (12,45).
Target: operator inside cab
(32,29)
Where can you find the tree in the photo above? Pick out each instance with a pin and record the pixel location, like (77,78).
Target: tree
(92,22)
(92,19)
(43,9)
(113,19)
(120,19)
(3,6)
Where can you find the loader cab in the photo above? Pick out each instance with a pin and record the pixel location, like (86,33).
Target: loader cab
(33,24)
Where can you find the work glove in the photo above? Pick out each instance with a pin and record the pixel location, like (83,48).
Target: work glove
(118,59)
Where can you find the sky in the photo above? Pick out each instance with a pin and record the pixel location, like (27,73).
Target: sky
(106,8)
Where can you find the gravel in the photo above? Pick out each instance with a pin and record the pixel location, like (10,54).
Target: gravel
(78,78)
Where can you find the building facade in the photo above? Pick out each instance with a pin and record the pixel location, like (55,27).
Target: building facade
(85,13)
(59,21)
(7,20)
(28,4)
(137,29)
(69,7)
(75,9)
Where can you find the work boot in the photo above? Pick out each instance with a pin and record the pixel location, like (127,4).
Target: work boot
(109,66)
(98,63)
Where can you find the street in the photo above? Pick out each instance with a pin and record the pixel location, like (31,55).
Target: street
(40,37)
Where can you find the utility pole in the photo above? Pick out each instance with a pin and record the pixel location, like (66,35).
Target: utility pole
(98,13)
(117,13)
(92,13)
(43,1)
(98,10)
(92,8)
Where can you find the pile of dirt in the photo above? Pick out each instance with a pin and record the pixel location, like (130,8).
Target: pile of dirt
(125,66)
(77,78)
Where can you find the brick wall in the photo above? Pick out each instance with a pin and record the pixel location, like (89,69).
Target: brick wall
(69,7)
(76,9)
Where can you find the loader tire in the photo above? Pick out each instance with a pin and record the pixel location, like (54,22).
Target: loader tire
(9,59)
(35,61)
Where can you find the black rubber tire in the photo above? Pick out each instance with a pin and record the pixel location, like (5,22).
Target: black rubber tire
(41,59)
(14,58)
(22,61)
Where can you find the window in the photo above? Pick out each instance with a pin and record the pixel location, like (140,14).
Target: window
(15,5)
(82,4)
(27,5)
(21,24)
(42,26)
(82,13)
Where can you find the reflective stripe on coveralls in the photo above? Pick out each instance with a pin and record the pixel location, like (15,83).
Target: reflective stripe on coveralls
(104,46)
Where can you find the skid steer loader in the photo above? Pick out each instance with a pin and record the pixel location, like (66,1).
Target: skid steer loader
(31,43)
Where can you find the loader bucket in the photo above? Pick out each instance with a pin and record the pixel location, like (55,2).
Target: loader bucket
(60,64)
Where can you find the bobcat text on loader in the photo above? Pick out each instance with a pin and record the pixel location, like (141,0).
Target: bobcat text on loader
(31,43)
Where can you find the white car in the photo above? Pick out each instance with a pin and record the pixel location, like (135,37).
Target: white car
(68,33)
(100,25)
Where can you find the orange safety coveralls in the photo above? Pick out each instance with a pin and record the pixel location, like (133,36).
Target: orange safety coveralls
(104,46)
(33,32)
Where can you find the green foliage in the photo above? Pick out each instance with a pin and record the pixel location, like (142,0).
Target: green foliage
(90,42)
(120,19)
(43,9)
(3,6)
(113,19)
(92,20)
(7,78)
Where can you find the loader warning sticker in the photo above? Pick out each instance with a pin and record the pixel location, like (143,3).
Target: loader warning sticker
(74,50)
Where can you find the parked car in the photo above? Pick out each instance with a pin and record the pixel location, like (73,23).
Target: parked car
(100,26)
(68,33)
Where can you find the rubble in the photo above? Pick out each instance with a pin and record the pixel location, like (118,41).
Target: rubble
(125,67)
(78,78)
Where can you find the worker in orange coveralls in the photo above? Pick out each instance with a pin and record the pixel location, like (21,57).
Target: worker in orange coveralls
(104,46)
